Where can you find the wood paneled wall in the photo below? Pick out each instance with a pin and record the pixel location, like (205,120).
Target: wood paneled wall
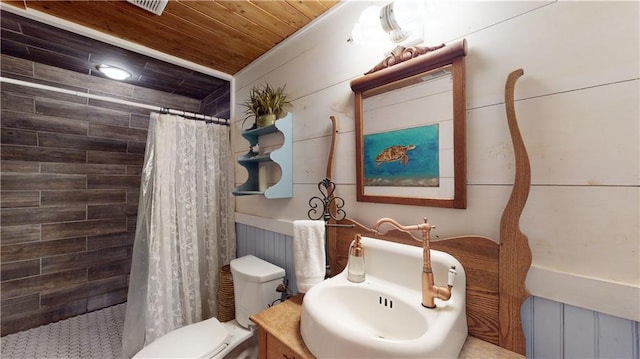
(70,185)
(558,330)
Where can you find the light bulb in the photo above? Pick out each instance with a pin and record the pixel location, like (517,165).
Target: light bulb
(113,72)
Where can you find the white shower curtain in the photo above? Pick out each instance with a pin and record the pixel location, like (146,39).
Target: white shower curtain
(185,230)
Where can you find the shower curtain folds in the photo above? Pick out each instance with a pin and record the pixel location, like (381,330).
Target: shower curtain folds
(185,229)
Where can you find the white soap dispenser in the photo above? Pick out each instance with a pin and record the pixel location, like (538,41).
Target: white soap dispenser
(356,272)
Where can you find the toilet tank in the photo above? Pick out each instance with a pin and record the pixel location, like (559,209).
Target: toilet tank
(254,286)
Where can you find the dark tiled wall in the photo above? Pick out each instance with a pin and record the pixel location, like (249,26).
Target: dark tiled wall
(218,103)
(70,177)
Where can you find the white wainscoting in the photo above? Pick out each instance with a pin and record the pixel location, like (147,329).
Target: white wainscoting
(552,329)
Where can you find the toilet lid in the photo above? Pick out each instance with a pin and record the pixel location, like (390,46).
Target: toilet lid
(199,340)
(253,269)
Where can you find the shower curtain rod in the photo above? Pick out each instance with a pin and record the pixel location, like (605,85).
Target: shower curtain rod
(186,114)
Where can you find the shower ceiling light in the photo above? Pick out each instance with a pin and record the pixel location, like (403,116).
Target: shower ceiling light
(113,72)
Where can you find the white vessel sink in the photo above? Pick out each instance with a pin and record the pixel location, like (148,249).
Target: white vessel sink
(383,316)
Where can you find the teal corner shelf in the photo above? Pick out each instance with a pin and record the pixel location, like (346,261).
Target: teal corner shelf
(282,156)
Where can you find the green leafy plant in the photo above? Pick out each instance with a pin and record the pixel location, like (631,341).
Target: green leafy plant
(252,104)
(266,100)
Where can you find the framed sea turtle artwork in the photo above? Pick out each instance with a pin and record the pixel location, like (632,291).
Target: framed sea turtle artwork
(404,158)
(410,128)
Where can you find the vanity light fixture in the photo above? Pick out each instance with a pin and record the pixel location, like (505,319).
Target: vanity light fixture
(390,23)
(114,72)
(400,21)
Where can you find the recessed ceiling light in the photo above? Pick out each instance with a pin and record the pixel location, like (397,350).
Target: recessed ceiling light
(113,72)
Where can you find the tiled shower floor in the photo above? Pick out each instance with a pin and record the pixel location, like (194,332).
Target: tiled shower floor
(93,335)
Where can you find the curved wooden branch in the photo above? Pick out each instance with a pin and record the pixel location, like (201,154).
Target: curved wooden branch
(515,254)
(334,133)
(333,209)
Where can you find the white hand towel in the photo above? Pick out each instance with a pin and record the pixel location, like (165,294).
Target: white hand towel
(308,253)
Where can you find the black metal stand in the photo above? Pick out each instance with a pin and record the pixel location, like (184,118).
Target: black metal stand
(327,201)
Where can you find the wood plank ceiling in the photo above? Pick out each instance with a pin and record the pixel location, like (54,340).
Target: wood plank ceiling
(222,35)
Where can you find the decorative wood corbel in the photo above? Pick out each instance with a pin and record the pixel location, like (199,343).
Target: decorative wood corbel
(402,54)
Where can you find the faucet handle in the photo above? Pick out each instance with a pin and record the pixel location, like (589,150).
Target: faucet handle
(426,221)
(452,276)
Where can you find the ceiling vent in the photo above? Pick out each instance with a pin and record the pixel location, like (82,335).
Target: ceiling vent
(154,6)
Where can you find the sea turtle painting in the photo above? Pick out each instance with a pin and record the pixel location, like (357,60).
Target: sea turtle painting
(394,153)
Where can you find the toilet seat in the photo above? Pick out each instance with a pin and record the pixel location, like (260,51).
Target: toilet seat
(199,340)
(255,287)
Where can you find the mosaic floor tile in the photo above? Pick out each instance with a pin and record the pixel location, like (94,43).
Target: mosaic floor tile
(93,335)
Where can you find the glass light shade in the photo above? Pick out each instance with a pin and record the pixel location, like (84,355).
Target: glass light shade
(398,35)
(356,34)
(113,72)
(369,25)
(409,16)
(409,13)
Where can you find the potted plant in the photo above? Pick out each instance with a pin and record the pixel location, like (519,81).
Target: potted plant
(266,104)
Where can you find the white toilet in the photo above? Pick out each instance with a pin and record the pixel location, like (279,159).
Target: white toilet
(254,286)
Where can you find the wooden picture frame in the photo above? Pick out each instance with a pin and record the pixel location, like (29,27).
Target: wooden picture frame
(410,128)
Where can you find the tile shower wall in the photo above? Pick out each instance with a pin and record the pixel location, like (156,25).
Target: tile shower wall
(70,185)
(218,103)
(552,329)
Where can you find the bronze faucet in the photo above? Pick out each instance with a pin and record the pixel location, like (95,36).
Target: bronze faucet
(430,291)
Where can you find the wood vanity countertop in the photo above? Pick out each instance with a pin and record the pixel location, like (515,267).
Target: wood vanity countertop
(283,322)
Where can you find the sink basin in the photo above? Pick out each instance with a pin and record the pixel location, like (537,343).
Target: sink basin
(394,319)
(383,316)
